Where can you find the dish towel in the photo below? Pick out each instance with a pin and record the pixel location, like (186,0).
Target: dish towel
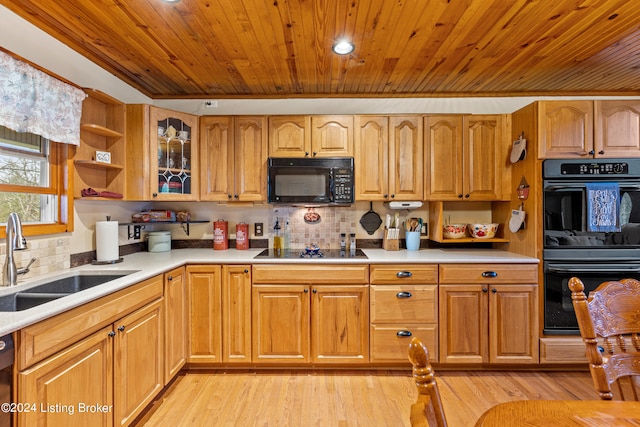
(603,206)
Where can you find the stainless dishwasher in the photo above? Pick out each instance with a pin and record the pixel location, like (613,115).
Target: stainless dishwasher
(6,377)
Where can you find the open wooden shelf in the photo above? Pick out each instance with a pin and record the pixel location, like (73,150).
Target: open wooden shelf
(438,215)
(97,165)
(100,130)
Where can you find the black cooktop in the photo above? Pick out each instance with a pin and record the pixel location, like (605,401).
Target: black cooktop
(302,254)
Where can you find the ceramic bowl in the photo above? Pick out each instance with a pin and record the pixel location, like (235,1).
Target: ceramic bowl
(454,231)
(483,231)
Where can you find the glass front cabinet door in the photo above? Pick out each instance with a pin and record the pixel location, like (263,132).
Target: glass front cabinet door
(175,155)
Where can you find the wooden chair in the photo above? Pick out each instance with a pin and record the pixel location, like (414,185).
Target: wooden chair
(427,411)
(609,322)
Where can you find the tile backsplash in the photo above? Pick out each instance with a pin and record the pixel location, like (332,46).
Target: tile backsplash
(52,255)
(304,229)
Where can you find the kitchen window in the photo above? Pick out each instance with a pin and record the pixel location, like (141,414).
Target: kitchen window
(33,183)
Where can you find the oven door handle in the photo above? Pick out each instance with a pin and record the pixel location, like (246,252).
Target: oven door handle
(602,269)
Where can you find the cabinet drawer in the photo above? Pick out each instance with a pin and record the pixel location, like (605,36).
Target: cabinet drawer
(390,343)
(483,273)
(563,351)
(310,274)
(45,338)
(413,274)
(404,303)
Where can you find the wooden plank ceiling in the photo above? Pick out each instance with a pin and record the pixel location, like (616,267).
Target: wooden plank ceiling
(282,48)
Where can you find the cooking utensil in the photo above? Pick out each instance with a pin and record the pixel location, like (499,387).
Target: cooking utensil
(370,221)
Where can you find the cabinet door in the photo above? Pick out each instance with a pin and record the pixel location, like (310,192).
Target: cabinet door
(217,166)
(372,158)
(83,373)
(464,329)
(250,183)
(513,332)
(617,128)
(565,129)
(281,315)
(484,163)
(204,291)
(138,362)
(340,324)
(289,136)
(174,155)
(406,158)
(236,313)
(443,176)
(175,322)
(331,136)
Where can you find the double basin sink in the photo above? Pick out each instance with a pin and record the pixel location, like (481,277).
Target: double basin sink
(54,289)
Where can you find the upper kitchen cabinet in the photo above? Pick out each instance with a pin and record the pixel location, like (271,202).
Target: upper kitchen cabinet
(617,128)
(234,158)
(100,158)
(565,129)
(163,149)
(466,158)
(311,136)
(389,158)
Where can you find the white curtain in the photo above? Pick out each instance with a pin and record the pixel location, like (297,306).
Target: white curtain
(33,101)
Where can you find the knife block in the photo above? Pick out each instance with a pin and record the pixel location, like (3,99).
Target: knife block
(390,244)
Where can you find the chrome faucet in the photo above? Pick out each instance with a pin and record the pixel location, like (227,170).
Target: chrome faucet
(15,242)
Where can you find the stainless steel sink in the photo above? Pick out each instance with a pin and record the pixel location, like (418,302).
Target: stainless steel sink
(57,288)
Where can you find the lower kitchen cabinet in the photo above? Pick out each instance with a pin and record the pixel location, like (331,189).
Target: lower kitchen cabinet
(403,304)
(106,377)
(56,389)
(305,314)
(175,331)
(138,362)
(488,314)
(204,293)
(236,313)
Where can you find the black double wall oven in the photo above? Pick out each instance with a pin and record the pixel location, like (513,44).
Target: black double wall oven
(573,245)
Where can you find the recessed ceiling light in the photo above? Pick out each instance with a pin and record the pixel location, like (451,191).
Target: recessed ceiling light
(343,47)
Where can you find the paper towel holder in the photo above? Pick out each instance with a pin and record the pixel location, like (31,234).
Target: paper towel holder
(115,261)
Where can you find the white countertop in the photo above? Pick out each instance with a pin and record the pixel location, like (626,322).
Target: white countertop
(144,265)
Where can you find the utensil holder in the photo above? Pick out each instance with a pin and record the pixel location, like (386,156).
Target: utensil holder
(390,244)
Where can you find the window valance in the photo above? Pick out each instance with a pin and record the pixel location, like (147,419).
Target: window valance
(33,101)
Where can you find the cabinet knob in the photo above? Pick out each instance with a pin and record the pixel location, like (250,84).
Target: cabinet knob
(121,328)
(393,196)
(459,196)
(315,291)
(315,153)
(228,196)
(592,152)
(154,195)
(485,290)
(306,291)
(385,195)
(401,274)
(466,196)
(404,295)
(246,270)
(306,153)
(494,290)
(170,278)
(404,333)
(601,152)
(235,196)
(489,274)
(111,334)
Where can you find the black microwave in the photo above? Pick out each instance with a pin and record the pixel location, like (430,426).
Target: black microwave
(311,181)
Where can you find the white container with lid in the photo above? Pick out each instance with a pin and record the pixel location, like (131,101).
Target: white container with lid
(159,241)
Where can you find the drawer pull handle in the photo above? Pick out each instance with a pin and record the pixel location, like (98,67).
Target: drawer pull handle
(489,274)
(404,295)
(404,274)
(404,333)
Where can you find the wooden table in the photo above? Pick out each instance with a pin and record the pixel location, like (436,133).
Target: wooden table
(592,413)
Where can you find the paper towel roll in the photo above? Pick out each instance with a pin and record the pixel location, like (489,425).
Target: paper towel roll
(107,248)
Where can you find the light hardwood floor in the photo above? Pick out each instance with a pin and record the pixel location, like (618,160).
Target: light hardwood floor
(290,398)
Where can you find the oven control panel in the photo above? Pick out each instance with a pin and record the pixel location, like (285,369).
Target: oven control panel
(613,168)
